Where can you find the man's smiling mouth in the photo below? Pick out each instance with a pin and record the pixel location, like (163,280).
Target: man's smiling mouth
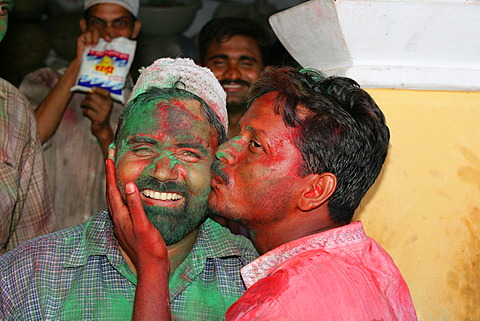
(162,196)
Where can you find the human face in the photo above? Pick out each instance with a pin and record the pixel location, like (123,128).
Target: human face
(5,7)
(256,175)
(112,20)
(236,62)
(167,148)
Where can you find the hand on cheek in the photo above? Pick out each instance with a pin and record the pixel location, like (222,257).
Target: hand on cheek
(140,240)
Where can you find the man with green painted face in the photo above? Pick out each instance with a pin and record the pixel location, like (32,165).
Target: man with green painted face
(26,207)
(165,143)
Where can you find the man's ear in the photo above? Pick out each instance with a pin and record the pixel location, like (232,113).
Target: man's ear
(267,68)
(83,25)
(111,151)
(137,25)
(317,191)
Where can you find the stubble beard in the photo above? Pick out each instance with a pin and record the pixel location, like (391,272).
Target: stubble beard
(173,224)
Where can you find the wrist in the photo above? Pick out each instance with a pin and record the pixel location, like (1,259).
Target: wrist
(153,269)
(102,132)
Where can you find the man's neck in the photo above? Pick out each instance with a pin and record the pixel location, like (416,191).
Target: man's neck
(266,239)
(176,252)
(233,128)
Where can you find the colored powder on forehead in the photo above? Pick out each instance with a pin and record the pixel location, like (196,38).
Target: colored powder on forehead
(176,114)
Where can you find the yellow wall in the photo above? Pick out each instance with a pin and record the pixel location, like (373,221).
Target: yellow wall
(425,207)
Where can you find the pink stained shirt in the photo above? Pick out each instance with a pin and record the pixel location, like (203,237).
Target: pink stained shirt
(339,274)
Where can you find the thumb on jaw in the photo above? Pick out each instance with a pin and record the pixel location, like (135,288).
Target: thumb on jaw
(130,188)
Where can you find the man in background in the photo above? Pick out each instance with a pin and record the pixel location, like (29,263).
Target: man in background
(235,50)
(77,128)
(26,206)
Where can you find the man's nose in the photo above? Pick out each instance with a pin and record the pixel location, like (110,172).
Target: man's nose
(165,168)
(233,72)
(228,152)
(110,30)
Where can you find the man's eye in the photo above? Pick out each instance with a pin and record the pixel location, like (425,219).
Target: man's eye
(218,63)
(246,64)
(189,156)
(4,9)
(96,22)
(255,145)
(120,23)
(142,151)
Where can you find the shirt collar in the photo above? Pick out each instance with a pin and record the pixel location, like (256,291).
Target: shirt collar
(213,241)
(270,261)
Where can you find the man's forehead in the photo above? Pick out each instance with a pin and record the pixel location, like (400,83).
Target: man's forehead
(179,119)
(175,109)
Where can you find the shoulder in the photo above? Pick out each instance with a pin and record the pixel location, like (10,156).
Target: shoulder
(9,91)
(46,250)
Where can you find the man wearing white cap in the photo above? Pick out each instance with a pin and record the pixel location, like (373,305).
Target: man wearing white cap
(165,144)
(67,120)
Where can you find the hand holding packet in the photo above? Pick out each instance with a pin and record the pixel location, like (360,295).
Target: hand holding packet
(106,66)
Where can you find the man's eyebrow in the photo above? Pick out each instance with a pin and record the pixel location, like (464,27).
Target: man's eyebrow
(224,56)
(197,146)
(255,131)
(116,19)
(123,17)
(249,58)
(135,139)
(219,56)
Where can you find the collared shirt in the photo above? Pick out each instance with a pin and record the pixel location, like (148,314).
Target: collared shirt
(339,274)
(73,157)
(80,274)
(26,207)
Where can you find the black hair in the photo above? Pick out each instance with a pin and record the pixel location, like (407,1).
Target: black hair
(221,29)
(344,132)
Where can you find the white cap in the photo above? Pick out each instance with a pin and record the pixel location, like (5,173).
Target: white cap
(200,81)
(130,5)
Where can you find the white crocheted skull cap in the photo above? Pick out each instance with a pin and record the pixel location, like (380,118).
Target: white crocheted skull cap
(200,81)
(130,5)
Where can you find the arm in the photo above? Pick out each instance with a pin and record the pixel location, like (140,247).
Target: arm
(97,106)
(50,111)
(144,246)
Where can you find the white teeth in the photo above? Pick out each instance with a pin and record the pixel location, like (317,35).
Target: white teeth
(161,196)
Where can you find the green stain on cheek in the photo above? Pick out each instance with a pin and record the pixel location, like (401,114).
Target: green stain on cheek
(3,28)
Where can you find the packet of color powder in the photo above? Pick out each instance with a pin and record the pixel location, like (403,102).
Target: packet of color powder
(106,66)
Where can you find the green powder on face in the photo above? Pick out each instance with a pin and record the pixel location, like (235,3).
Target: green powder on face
(3,28)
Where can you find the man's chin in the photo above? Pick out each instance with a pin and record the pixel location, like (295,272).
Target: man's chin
(236,104)
(174,225)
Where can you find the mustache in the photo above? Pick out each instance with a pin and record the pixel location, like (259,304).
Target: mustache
(236,81)
(147,182)
(217,171)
